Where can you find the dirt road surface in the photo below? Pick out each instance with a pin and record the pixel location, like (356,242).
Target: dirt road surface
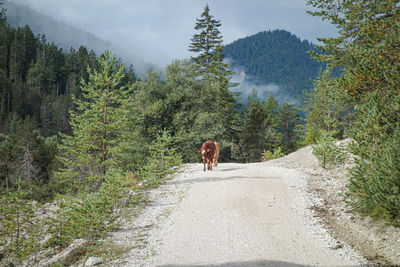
(236,215)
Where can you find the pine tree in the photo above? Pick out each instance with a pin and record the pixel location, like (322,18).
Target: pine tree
(19,232)
(20,134)
(208,45)
(209,65)
(327,109)
(253,135)
(130,76)
(2,11)
(273,137)
(290,118)
(5,95)
(4,44)
(27,170)
(17,57)
(162,158)
(98,125)
(206,42)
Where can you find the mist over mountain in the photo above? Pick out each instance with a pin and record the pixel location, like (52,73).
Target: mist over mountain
(66,36)
(274,62)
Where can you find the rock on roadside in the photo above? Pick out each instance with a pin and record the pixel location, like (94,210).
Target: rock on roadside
(92,261)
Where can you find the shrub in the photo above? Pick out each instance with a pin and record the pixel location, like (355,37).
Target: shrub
(19,229)
(88,216)
(268,155)
(328,152)
(162,161)
(375,183)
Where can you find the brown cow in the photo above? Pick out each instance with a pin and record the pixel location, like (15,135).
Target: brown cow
(207,153)
(216,155)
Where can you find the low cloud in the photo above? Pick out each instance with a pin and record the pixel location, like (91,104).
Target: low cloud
(246,86)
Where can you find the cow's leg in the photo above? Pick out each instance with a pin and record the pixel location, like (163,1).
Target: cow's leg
(204,162)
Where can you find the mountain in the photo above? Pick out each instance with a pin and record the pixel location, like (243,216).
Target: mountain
(274,62)
(66,36)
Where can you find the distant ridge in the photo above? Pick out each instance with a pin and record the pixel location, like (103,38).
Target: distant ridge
(274,59)
(66,36)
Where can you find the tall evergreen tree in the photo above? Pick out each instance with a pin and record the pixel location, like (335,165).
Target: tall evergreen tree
(205,42)
(98,125)
(13,160)
(290,118)
(5,96)
(208,45)
(2,10)
(3,39)
(328,110)
(273,137)
(210,66)
(254,129)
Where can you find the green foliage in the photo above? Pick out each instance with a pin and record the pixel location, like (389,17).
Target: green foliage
(254,128)
(162,159)
(37,81)
(277,57)
(327,109)
(184,106)
(266,127)
(2,11)
(366,50)
(19,229)
(206,43)
(311,136)
(328,152)
(91,216)
(268,155)
(25,154)
(79,218)
(290,119)
(99,126)
(376,196)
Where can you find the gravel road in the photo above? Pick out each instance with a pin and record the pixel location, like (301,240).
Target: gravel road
(236,215)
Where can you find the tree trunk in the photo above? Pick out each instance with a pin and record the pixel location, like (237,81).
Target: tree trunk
(7,179)
(104,147)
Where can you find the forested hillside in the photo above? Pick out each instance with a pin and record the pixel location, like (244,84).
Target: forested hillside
(65,36)
(275,57)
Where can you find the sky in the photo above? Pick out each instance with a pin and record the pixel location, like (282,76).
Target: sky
(159,31)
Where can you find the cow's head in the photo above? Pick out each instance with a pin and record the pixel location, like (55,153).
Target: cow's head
(203,152)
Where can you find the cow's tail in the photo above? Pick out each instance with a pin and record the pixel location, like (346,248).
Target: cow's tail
(216,154)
